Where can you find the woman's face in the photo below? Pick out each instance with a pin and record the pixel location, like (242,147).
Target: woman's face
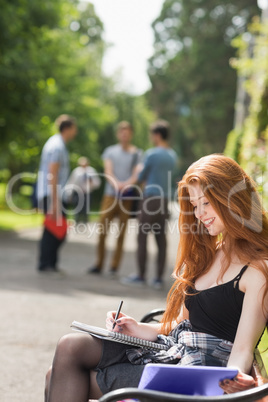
(204,211)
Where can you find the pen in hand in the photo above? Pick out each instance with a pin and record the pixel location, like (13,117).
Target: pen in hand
(117,313)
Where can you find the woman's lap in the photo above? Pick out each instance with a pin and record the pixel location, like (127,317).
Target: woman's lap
(114,371)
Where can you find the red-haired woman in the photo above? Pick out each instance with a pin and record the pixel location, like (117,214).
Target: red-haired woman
(217,307)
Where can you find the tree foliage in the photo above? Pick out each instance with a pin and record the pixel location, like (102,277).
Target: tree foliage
(248,143)
(51,63)
(193,85)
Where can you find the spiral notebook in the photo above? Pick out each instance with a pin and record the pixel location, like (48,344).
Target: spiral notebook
(116,336)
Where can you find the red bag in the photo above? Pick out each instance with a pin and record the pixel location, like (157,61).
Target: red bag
(57,227)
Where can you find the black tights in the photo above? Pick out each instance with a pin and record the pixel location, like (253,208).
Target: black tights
(72,377)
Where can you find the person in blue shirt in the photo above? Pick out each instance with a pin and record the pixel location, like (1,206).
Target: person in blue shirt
(156,174)
(52,176)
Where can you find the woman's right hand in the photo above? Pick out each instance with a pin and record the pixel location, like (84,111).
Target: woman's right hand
(129,326)
(124,324)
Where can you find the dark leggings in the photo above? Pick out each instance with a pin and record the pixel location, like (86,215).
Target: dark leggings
(72,377)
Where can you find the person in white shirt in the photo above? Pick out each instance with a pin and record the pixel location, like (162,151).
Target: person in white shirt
(82,181)
(52,176)
(121,162)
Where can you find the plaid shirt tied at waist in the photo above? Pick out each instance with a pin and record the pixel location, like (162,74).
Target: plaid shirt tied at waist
(186,348)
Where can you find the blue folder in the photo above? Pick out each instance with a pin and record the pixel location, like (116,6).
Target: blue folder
(185,380)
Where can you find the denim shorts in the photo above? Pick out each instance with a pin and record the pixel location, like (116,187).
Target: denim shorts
(114,371)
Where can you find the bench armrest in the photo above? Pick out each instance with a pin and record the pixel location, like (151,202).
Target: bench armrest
(155,396)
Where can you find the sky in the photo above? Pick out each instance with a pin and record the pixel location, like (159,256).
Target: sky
(127,25)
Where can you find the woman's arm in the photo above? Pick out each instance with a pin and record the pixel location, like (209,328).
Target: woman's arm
(251,325)
(130,326)
(252,321)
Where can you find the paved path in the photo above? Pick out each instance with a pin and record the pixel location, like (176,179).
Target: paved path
(36,310)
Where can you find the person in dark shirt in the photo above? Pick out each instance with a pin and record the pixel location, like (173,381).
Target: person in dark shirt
(156,175)
(219,299)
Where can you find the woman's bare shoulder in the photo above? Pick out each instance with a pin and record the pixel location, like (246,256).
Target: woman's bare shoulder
(255,277)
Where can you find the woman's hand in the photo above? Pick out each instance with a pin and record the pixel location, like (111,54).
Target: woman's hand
(129,326)
(124,323)
(241,382)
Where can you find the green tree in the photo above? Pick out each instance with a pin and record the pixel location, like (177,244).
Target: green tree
(50,63)
(248,144)
(20,23)
(134,109)
(193,85)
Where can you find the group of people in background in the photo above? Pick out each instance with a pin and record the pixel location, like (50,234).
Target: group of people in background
(133,178)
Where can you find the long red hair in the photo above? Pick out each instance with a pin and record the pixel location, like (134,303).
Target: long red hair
(233,196)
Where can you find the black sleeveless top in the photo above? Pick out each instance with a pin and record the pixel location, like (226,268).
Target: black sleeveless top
(217,310)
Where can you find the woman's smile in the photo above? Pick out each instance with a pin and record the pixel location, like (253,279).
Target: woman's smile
(208,222)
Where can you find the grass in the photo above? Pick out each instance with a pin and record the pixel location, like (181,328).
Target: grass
(9,220)
(2,193)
